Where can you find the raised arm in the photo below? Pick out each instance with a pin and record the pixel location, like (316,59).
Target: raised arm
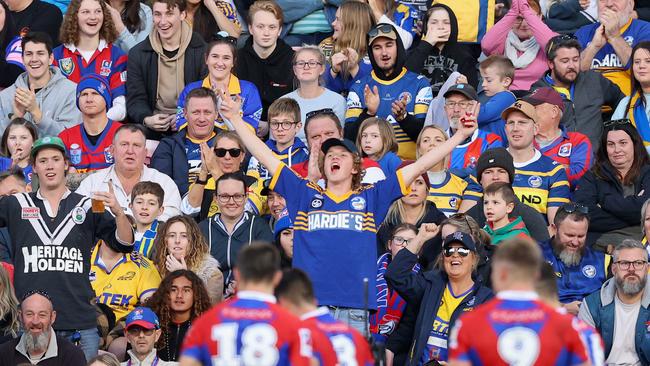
(229,110)
(465,129)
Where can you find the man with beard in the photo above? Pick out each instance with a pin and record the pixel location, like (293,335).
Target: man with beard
(619,311)
(580,270)
(390,91)
(39,345)
(584,92)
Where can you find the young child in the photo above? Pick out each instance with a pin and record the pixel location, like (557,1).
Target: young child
(498,203)
(284,124)
(147,206)
(376,140)
(497,73)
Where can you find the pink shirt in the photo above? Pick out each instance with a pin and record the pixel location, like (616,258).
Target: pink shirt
(494,43)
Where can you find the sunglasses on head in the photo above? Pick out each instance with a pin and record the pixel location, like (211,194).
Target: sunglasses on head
(219,36)
(463,252)
(575,207)
(380,28)
(221,152)
(319,112)
(616,123)
(557,41)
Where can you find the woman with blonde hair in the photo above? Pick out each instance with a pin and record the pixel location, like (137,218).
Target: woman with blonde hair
(87,37)
(9,320)
(347,49)
(446,189)
(180,245)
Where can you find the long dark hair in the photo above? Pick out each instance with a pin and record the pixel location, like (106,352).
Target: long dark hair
(159,301)
(204,22)
(131,16)
(636,85)
(4,149)
(640,154)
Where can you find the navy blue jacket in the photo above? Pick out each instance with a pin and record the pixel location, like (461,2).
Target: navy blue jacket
(426,288)
(170,158)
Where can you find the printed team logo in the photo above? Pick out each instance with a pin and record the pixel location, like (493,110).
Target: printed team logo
(458,235)
(471,301)
(123,76)
(565,150)
(589,271)
(472,162)
(406,96)
(108,157)
(126,277)
(647,327)
(78,215)
(535,181)
(358,203)
(316,202)
(92,276)
(354,101)
(105,70)
(453,202)
(66,65)
(28,213)
(102,88)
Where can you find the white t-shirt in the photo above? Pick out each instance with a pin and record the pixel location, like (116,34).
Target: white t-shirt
(328,99)
(623,351)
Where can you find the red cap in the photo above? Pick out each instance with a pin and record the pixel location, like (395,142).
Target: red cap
(545,95)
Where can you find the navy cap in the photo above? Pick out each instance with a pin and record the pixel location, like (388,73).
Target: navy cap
(346,144)
(461,238)
(464,89)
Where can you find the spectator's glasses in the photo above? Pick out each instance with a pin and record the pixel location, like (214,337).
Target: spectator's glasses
(575,207)
(616,123)
(320,112)
(400,241)
(301,64)
(463,252)
(462,105)
(625,265)
(135,331)
(380,28)
(282,125)
(237,198)
(221,152)
(558,41)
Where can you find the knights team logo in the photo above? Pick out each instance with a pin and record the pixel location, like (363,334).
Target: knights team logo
(535,181)
(105,70)
(66,65)
(358,203)
(589,271)
(108,157)
(78,215)
(565,150)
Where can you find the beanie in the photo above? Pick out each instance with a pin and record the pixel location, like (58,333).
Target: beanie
(497,157)
(97,83)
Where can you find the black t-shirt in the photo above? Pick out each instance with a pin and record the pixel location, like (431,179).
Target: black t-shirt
(170,54)
(92,138)
(39,16)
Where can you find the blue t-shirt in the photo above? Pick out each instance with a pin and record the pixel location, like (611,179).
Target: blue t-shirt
(5,164)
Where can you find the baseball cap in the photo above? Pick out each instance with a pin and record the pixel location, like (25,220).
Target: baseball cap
(381,30)
(464,89)
(346,144)
(144,317)
(521,106)
(461,238)
(45,142)
(497,157)
(545,95)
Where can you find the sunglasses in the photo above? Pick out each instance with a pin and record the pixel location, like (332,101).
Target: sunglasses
(221,152)
(575,207)
(616,123)
(135,331)
(558,41)
(320,112)
(463,252)
(380,28)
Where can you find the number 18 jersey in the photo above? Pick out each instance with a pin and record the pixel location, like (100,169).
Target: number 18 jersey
(249,330)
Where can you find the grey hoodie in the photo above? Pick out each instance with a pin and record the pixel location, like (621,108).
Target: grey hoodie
(57,100)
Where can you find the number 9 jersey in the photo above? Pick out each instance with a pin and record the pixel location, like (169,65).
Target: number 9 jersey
(249,330)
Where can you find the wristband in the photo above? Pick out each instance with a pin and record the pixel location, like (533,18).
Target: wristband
(202,181)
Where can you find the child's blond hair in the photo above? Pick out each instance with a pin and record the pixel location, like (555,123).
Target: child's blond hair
(503,65)
(388,139)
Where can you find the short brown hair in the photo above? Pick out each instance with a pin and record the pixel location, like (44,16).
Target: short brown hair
(258,262)
(502,188)
(147,187)
(505,68)
(388,139)
(266,5)
(522,256)
(285,106)
(171,4)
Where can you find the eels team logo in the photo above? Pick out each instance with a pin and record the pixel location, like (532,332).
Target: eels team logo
(535,181)
(66,65)
(358,203)
(453,202)
(78,215)
(317,202)
(406,96)
(589,271)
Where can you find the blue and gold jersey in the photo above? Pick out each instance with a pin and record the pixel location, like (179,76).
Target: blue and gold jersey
(409,85)
(449,194)
(540,183)
(122,288)
(335,237)
(475,18)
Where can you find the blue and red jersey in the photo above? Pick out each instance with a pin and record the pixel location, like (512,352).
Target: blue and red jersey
(350,346)
(573,150)
(108,61)
(390,305)
(517,329)
(92,156)
(249,329)
(465,156)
